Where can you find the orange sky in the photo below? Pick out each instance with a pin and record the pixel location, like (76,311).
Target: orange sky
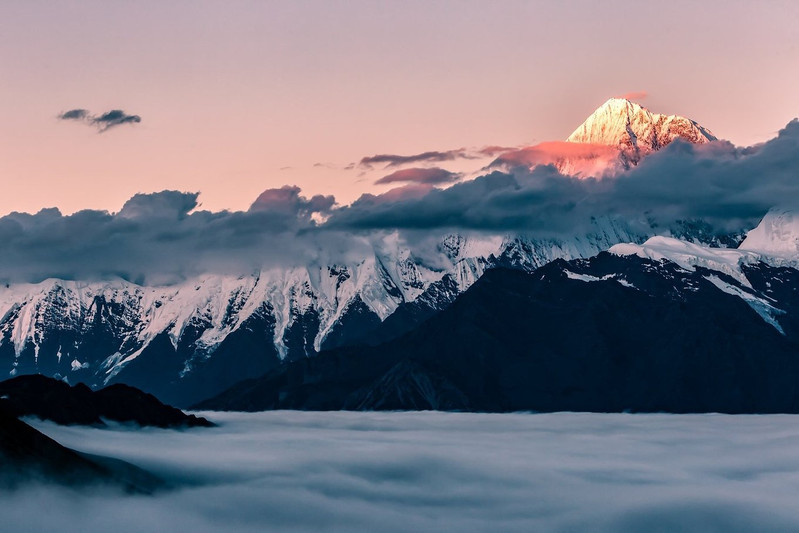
(236,97)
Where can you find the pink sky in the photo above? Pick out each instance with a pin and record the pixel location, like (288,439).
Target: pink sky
(237,97)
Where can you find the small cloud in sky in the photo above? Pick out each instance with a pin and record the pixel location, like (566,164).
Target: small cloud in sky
(431,176)
(75,114)
(115,117)
(434,156)
(394,160)
(492,151)
(635,95)
(104,121)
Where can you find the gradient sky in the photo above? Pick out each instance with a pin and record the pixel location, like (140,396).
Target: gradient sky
(237,97)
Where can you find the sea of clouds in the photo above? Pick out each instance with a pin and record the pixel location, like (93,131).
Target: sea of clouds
(428,471)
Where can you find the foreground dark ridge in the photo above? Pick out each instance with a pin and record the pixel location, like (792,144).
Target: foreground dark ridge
(607,334)
(28,456)
(51,399)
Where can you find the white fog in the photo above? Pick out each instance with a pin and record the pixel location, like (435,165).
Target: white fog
(300,471)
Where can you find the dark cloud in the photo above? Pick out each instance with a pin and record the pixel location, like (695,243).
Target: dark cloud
(724,185)
(165,237)
(103,122)
(115,117)
(431,472)
(75,114)
(391,160)
(432,176)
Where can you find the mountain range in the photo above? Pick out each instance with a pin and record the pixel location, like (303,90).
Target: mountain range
(193,340)
(663,326)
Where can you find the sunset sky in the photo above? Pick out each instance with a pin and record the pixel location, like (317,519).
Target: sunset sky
(238,97)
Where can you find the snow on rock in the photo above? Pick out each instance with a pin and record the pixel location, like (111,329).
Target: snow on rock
(588,278)
(198,314)
(635,130)
(613,139)
(689,255)
(723,260)
(776,237)
(762,307)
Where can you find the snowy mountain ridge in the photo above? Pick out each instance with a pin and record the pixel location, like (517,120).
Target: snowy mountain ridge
(184,342)
(219,329)
(93,331)
(776,237)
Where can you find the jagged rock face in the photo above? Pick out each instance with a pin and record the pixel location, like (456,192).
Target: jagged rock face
(635,130)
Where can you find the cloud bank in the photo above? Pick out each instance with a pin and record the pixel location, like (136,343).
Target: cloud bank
(724,185)
(164,237)
(428,471)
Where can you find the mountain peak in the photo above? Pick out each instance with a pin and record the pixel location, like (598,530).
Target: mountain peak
(777,235)
(635,130)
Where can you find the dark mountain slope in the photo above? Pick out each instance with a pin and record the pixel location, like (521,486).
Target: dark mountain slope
(606,334)
(27,455)
(55,400)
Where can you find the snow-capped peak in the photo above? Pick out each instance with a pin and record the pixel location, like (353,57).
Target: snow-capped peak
(635,130)
(777,236)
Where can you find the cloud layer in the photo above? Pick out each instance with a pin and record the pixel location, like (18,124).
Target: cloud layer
(161,238)
(427,471)
(726,186)
(164,237)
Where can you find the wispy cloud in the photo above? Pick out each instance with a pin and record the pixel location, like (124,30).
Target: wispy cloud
(435,156)
(432,176)
(635,95)
(393,160)
(578,159)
